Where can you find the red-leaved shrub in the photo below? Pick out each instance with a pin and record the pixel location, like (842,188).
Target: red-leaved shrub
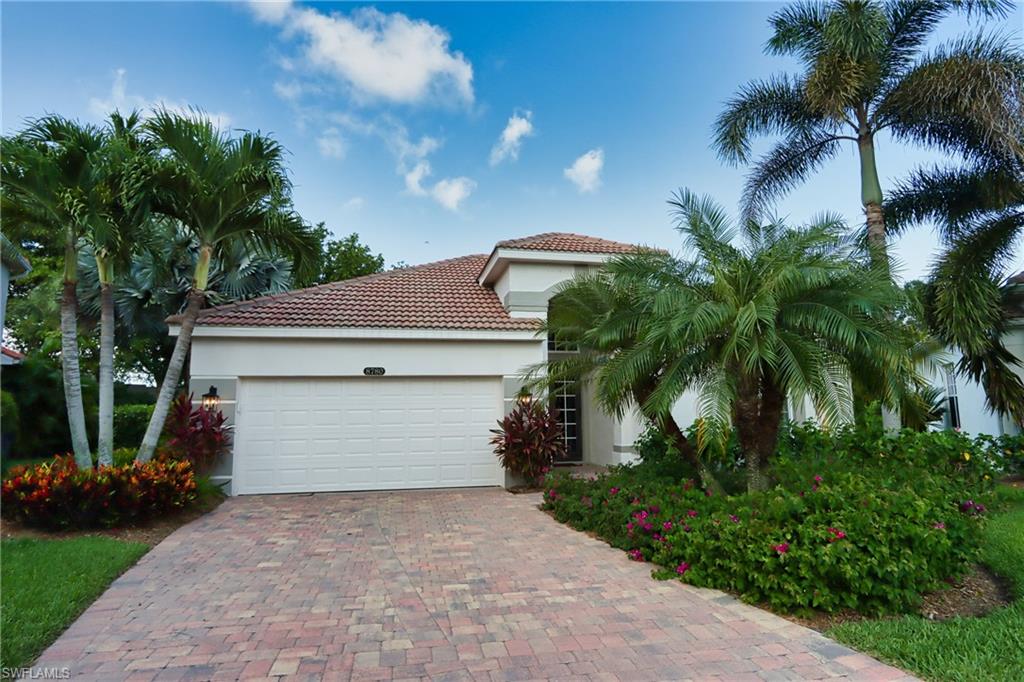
(57,494)
(528,441)
(199,435)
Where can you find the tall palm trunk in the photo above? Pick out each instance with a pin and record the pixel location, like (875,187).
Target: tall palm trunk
(871,197)
(196,297)
(105,444)
(69,360)
(169,386)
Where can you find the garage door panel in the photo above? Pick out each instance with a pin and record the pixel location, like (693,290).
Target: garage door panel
(364,434)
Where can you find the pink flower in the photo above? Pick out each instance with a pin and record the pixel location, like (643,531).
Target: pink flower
(692,513)
(781,549)
(687,528)
(734,518)
(636,500)
(613,491)
(656,537)
(636,555)
(818,478)
(682,568)
(629,526)
(648,527)
(667,525)
(939,526)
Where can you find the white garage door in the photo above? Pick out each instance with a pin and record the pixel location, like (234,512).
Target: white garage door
(378,433)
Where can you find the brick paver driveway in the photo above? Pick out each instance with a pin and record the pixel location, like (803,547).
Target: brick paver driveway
(471,584)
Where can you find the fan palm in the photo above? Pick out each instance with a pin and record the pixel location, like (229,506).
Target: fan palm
(978,210)
(51,178)
(223,190)
(864,74)
(792,313)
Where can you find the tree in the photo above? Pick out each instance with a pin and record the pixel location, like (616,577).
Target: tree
(156,285)
(51,182)
(113,234)
(223,190)
(978,210)
(792,313)
(864,74)
(342,259)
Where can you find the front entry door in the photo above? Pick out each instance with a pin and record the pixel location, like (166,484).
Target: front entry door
(565,402)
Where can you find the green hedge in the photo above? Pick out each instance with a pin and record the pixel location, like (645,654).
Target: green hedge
(856,521)
(130,422)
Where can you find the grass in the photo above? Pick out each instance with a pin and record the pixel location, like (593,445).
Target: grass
(960,649)
(47,583)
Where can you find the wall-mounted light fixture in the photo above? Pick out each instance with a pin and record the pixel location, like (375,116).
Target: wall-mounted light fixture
(210,399)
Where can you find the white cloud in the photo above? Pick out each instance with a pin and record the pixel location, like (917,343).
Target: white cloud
(331,144)
(451,192)
(411,156)
(414,178)
(290,90)
(380,56)
(121,100)
(519,126)
(354,204)
(585,172)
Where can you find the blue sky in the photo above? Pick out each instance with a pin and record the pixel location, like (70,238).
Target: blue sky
(394,113)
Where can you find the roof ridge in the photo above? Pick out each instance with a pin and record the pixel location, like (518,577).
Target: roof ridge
(329,286)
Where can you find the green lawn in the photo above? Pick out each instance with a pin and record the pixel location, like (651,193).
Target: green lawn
(46,584)
(962,649)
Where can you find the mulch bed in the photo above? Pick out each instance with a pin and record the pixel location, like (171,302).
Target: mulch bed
(150,534)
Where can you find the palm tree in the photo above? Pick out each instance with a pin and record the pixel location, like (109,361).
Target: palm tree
(50,179)
(602,318)
(978,210)
(113,235)
(865,74)
(223,190)
(792,313)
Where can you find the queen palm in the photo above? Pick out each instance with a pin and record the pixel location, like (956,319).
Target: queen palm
(51,179)
(792,313)
(865,73)
(223,190)
(978,210)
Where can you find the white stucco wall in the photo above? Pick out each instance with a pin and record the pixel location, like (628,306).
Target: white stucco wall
(975,418)
(5,280)
(267,357)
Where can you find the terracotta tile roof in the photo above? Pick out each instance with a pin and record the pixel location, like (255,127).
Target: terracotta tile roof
(441,295)
(566,241)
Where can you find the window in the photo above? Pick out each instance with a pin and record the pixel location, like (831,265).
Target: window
(561,346)
(952,404)
(566,403)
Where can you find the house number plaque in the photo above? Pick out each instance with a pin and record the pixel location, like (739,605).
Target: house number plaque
(373,371)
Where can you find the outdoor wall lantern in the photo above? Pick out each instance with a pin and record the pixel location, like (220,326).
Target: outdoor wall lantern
(210,399)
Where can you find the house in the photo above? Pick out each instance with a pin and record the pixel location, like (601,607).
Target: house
(394,380)
(12,265)
(965,399)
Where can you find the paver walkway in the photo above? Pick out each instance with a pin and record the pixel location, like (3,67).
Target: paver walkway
(456,585)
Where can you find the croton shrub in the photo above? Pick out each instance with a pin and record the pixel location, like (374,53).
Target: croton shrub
(58,495)
(528,440)
(869,531)
(197,434)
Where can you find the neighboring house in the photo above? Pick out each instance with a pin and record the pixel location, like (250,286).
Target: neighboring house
(9,356)
(965,399)
(12,265)
(395,380)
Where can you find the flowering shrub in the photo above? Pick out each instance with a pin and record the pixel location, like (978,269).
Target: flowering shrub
(199,435)
(58,494)
(835,541)
(528,441)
